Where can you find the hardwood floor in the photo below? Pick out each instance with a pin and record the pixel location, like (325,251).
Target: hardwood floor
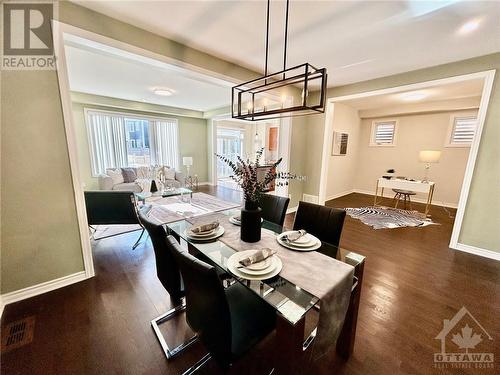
(412,282)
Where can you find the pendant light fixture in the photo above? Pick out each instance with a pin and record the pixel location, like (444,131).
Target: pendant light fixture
(282,94)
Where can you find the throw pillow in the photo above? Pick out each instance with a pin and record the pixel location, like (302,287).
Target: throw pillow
(169,173)
(143,172)
(116,176)
(129,174)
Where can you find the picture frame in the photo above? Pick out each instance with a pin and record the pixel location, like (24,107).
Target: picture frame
(339,143)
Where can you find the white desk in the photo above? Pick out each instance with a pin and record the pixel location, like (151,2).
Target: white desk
(416,186)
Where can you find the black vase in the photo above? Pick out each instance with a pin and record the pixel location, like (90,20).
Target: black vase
(153,188)
(250,222)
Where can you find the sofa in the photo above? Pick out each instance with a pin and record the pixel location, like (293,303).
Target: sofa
(138,179)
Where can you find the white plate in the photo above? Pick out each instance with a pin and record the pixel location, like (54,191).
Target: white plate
(233,263)
(316,244)
(255,269)
(219,232)
(204,234)
(308,240)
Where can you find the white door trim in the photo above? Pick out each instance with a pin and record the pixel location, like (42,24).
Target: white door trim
(488,76)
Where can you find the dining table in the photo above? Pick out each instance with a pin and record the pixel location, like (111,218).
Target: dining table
(292,296)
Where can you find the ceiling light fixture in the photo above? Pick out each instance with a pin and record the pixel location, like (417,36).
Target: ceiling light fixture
(413,95)
(469,26)
(281,94)
(163,92)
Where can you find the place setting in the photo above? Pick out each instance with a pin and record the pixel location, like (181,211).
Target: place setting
(255,264)
(205,232)
(236,220)
(298,240)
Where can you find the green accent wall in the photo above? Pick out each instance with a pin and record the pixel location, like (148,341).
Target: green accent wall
(480,227)
(192,135)
(40,239)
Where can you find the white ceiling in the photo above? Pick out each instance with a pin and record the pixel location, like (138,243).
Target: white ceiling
(457,90)
(355,40)
(97,69)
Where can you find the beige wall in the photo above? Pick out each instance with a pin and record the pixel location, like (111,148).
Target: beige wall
(342,169)
(192,141)
(415,133)
(482,213)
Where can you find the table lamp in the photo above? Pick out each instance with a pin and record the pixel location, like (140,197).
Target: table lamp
(188,162)
(428,157)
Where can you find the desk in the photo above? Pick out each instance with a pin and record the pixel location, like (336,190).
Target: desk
(416,186)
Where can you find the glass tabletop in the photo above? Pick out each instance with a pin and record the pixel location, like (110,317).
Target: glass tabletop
(288,299)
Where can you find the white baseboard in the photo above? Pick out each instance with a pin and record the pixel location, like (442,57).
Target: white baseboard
(204,183)
(417,200)
(45,287)
(291,210)
(338,195)
(1,306)
(477,251)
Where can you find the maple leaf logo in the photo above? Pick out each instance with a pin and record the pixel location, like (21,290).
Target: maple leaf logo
(467,340)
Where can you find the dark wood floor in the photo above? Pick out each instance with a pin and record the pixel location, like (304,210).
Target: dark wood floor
(413,281)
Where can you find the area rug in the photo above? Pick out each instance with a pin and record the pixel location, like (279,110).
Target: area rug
(387,217)
(170,209)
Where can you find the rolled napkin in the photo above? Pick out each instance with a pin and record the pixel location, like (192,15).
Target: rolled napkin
(259,256)
(292,237)
(205,227)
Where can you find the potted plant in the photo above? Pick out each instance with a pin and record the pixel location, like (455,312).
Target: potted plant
(246,176)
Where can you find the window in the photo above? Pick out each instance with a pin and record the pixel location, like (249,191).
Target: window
(229,144)
(118,140)
(462,131)
(383,133)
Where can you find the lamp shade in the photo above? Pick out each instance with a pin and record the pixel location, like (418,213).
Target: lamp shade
(429,156)
(187,160)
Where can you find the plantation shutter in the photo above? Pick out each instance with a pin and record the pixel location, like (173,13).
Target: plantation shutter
(464,129)
(384,133)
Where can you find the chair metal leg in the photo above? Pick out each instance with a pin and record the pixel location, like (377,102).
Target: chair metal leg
(171,353)
(198,365)
(138,240)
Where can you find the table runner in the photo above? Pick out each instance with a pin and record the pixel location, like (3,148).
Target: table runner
(169,209)
(326,278)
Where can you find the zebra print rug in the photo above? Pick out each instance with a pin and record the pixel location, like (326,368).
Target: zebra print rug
(387,217)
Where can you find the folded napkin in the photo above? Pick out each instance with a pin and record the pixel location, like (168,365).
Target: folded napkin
(205,227)
(292,237)
(259,256)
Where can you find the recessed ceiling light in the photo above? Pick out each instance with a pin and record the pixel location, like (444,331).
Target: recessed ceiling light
(413,95)
(163,92)
(469,26)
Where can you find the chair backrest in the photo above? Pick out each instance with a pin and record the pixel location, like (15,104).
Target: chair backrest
(274,208)
(166,267)
(110,207)
(207,309)
(323,222)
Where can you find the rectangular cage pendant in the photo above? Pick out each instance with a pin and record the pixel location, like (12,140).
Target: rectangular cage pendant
(296,91)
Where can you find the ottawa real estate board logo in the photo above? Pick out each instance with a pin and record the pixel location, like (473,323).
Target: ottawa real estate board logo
(27,35)
(465,344)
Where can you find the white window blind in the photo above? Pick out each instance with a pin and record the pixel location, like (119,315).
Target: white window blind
(120,140)
(463,130)
(383,132)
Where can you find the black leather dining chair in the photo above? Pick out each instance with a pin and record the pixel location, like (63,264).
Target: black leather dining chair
(228,321)
(169,275)
(274,208)
(108,207)
(326,223)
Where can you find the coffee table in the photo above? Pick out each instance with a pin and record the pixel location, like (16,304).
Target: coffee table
(141,197)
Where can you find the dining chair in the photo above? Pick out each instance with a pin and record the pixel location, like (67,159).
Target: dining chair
(274,208)
(323,222)
(109,207)
(169,275)
(228,321)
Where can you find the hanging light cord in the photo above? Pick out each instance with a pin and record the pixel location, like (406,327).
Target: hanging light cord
(267,36)
(286,35)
